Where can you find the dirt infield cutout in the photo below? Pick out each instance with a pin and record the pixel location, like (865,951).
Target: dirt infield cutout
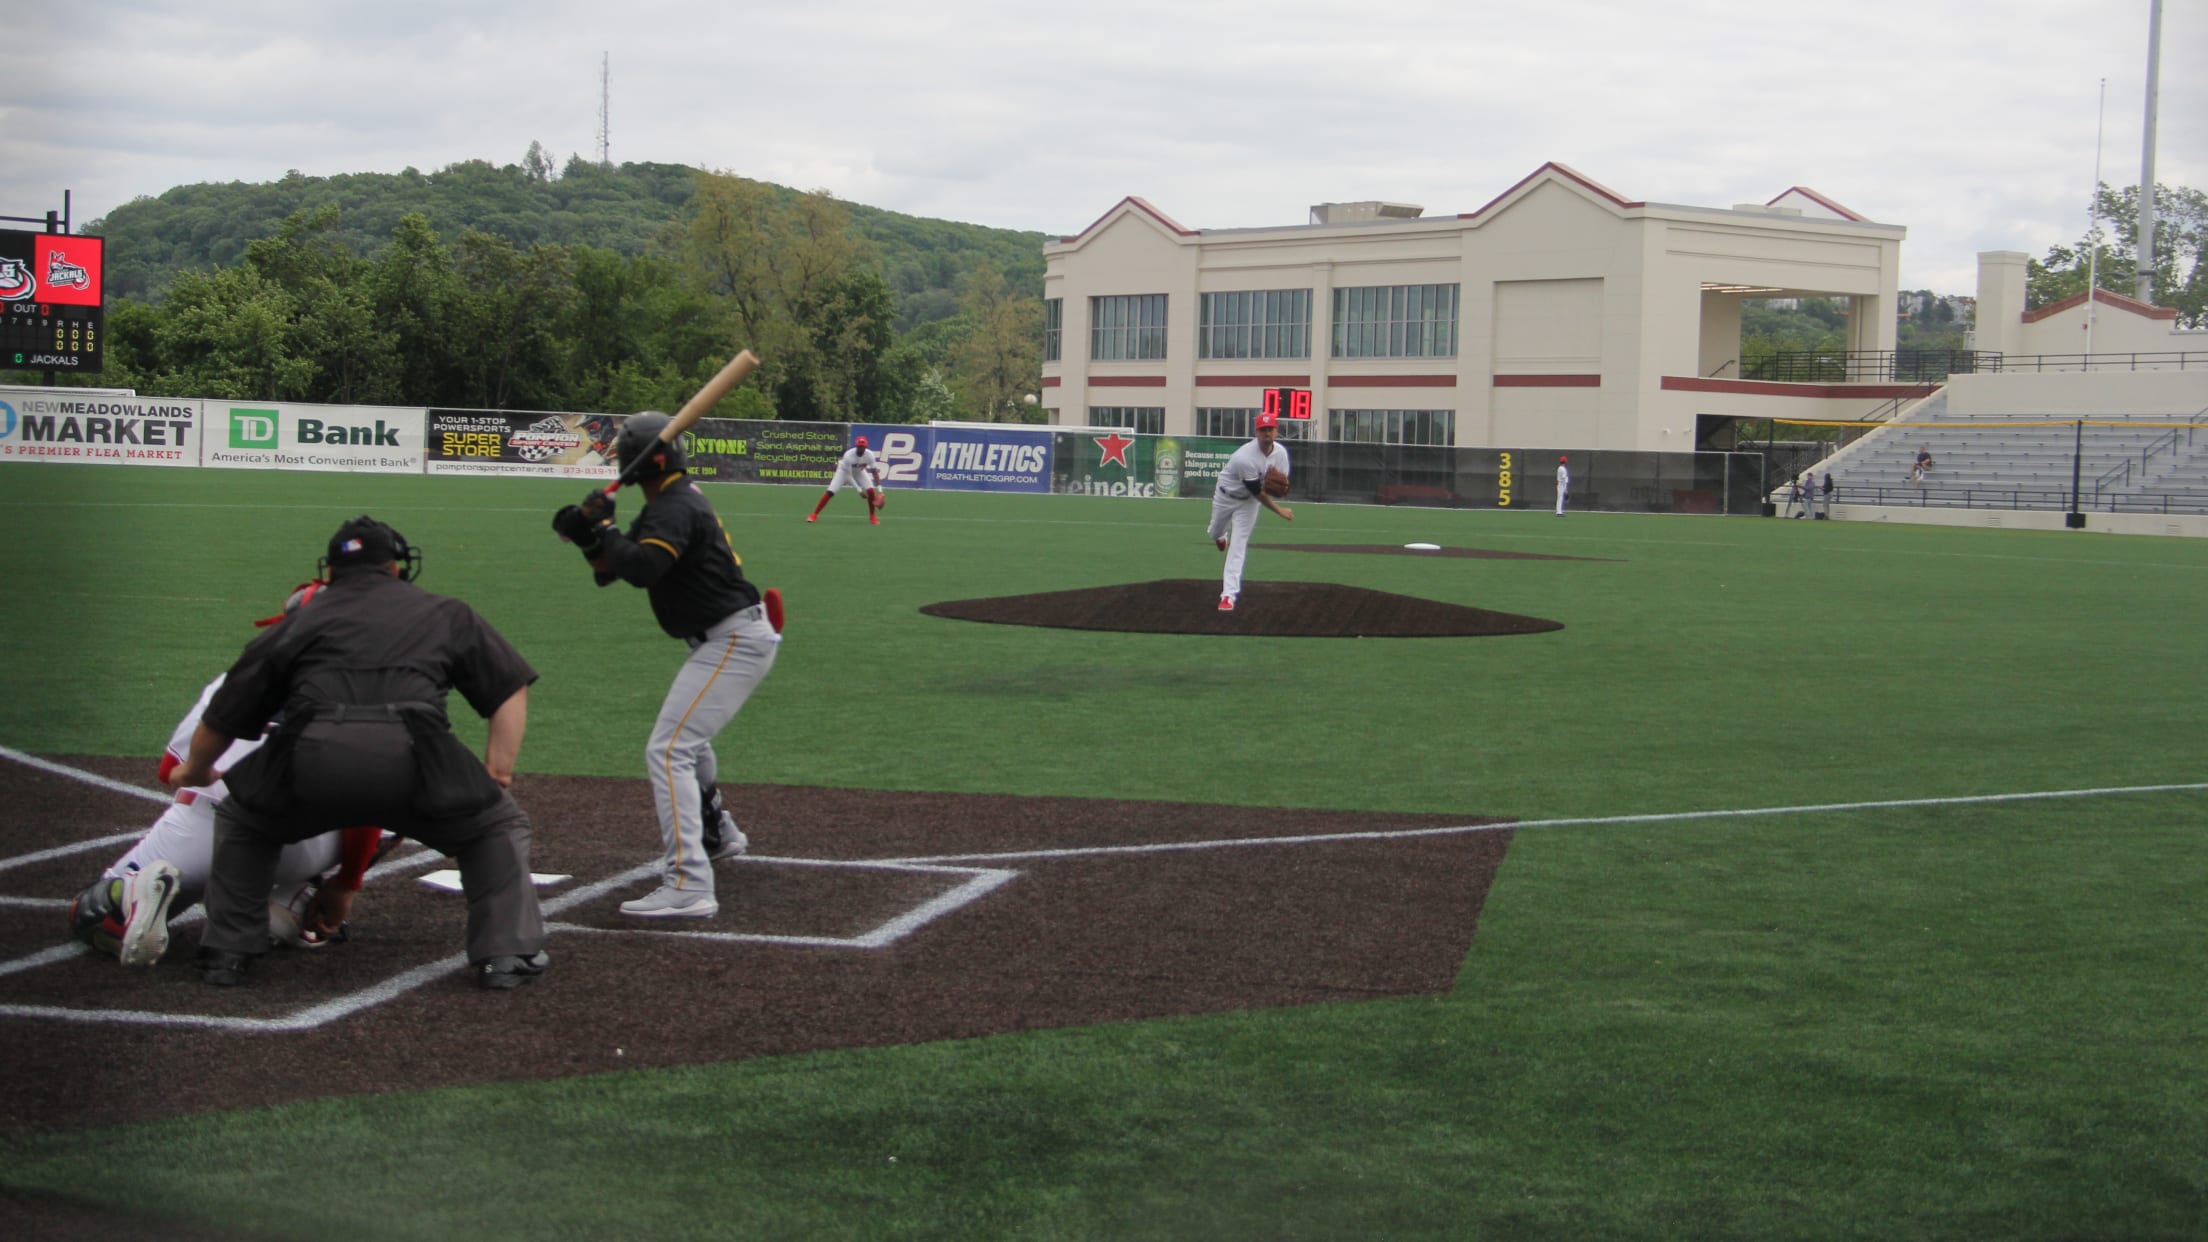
(1265,609)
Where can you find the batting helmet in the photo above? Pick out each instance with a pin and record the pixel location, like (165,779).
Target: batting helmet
(640,438)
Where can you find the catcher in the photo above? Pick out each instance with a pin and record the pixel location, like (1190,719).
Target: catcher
(126,911)
(1256,475)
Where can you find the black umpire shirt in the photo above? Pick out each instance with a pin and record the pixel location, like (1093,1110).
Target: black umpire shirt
(679,553)
(368,638)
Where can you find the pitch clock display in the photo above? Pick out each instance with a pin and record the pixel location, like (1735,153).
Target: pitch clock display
(1288,402)
(50,314)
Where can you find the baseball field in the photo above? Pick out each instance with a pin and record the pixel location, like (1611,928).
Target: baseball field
(1813,880)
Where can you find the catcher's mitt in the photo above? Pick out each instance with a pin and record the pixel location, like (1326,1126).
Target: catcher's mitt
(1276,483)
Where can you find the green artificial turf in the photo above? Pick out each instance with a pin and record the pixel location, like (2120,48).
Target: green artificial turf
(1926,1019)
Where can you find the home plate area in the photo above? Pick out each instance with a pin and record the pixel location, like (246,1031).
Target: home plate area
(860,918)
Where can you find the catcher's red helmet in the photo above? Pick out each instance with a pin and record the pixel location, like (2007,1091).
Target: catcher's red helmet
(294,602)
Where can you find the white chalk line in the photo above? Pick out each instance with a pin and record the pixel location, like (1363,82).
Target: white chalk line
(82,776)
(1400,834)
(981,881)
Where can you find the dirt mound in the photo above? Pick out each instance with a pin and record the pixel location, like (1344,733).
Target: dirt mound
(1266,609)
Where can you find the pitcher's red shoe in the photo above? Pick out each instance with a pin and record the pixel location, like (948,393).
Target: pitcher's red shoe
(1226,603)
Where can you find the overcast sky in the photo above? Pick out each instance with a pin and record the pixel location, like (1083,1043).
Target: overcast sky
(1972,124)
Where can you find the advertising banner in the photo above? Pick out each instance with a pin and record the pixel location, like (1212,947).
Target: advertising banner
(795,452)
(100,429)
(990,459)
(499,442)
(1118,463)
(369,439)
(904,451)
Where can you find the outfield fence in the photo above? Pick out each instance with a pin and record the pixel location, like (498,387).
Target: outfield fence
(76,426)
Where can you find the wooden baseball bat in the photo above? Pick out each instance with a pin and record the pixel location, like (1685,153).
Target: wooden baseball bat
(738,369)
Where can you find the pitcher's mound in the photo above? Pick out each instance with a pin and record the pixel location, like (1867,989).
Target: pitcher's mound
(1268,609)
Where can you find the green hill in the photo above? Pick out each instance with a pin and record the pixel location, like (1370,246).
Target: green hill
(624,209)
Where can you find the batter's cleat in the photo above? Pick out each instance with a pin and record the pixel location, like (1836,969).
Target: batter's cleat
(147,895)
(499,973)
(669,902)
(725,840)
(96,915)
(1222,542)
(221,968)
(1226,603)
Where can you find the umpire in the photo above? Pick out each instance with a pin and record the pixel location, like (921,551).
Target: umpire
(360,678)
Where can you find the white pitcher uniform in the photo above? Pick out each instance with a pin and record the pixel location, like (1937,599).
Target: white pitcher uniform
(1234,505)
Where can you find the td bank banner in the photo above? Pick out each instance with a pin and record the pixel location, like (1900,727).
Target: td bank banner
(351,438)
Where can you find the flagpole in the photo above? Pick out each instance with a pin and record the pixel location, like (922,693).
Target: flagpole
(2093,233)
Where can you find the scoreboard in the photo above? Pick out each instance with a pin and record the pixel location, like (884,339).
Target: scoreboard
(50,314)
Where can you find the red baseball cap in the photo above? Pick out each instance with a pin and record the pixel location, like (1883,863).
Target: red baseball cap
(1268,420)
(860,442)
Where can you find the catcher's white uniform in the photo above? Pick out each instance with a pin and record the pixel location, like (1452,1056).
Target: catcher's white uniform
(859,468)
(184,836)
(1235,504)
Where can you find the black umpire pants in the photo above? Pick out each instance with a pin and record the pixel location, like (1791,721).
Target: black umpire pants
(491,847)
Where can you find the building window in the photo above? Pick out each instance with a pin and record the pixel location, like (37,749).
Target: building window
(1054,322)
(1240,423)
(1266,323)
(1127,329)
(1143,420)
(1396,321)
(1392,426)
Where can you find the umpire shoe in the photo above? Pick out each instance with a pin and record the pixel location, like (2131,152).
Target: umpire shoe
(222,968)
(669,902)
(499,973)
(147,895)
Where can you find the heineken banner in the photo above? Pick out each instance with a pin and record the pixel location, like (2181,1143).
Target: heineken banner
(1117,463)
(499,442)
(97,428)
(1011,458)
(352,438)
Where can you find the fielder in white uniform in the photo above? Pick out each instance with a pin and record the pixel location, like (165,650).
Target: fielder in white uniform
(1234,505)
(859,467)
(126,911)
(1563,482)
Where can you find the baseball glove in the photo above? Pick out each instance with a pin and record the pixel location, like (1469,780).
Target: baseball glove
(1276,483)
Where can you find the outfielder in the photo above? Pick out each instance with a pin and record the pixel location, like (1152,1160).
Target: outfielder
(1253,476)
(859,467)
(126,911)
(679,553)
(1563,481)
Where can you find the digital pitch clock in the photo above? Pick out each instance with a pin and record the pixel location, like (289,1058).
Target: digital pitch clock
(1288,402)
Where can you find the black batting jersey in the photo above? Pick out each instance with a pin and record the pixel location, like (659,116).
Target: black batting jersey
(677,550)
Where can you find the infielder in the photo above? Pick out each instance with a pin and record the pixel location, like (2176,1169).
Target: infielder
(678,552)
(859,467)
(126,911)
(1244,484)
(1563,481)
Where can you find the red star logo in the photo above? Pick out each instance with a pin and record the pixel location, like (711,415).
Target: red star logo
(1115,448)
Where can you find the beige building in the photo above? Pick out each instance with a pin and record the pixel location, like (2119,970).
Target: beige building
(1560,315)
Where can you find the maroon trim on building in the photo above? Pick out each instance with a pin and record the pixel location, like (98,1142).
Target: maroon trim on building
(1820,200)
(1253,381)
(1548,381)
(1772,388)
(1050,381)
(1562,170)
(1391,381)
(2106,297)
(1140,205)
(1126,381)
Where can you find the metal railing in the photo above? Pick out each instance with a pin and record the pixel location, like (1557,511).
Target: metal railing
(1921,366)
(2049,499)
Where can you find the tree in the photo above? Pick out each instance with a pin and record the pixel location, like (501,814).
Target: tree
(2111,254)
(1001,360)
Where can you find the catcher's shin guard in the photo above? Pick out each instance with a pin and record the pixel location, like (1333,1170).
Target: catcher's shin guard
(96,916)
